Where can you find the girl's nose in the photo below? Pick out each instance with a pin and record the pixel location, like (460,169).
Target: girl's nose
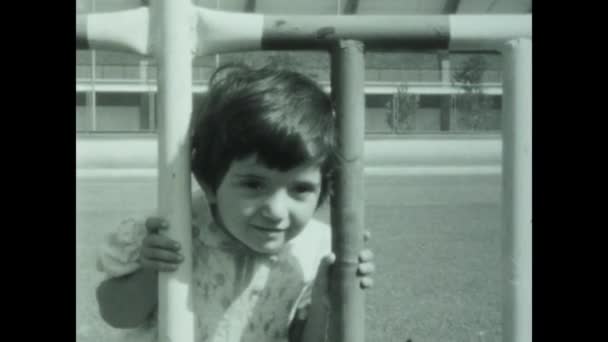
(275,207)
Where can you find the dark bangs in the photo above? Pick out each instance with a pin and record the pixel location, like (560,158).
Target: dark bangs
(282,117)
(282,140)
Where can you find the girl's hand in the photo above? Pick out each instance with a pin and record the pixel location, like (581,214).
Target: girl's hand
(158,252)
(366,265)
(320,292)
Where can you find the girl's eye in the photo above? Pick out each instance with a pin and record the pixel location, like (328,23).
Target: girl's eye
(302,189)
(252,184)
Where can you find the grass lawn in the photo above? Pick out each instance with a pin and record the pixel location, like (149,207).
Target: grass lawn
(436,241)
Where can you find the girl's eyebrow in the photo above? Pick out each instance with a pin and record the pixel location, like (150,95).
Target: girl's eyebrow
(249,175)
(308,183)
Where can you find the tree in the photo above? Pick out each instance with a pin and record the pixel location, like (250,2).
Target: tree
(283,60)
(473,104)
(401,109)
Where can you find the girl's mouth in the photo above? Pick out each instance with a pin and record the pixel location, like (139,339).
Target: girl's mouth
(268,229)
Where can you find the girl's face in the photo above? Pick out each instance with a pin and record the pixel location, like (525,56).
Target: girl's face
(265,208)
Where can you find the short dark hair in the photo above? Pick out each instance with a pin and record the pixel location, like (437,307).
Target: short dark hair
(281,116)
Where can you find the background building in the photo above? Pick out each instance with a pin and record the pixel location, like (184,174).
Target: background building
(116,92)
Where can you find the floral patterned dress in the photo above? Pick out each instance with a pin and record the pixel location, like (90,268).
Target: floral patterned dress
(239,295)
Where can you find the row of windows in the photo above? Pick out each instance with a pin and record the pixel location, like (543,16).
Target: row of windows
(371,100)
(299,59)
(136,112)
(134,73)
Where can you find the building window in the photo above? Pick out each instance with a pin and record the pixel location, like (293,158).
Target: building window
(477,113)
(429,101)
(376,109)
(83,117)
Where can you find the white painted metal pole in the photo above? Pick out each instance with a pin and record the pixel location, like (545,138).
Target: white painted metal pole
(93,92)
(126,31)
(174,56)
(93,81)
(517,191)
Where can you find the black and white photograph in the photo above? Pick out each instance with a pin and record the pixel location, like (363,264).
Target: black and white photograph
(303,171)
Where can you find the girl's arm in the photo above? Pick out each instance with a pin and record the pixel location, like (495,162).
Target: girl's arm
(315,328)
(317,324)
(128,297)
(127,301)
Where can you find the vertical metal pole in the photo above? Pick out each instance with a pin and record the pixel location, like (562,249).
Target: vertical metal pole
(144,112)
(143,71)
(152,110)
(444,102)
(93,76)
(517,191)
(347,317)
(174,55)
(93,93)
(395,111)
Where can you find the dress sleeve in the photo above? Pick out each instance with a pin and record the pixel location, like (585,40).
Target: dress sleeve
(119,252)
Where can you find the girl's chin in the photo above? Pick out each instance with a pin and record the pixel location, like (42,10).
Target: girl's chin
(271,247)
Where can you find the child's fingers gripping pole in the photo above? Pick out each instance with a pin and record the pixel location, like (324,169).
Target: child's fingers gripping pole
(156,224)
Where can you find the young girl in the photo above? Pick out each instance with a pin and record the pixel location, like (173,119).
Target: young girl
(263,152)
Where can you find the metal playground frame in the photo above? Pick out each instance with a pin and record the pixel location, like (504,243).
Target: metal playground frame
(174,31)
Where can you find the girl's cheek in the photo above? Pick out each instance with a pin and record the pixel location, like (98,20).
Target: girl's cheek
(248,207)
(304,214)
